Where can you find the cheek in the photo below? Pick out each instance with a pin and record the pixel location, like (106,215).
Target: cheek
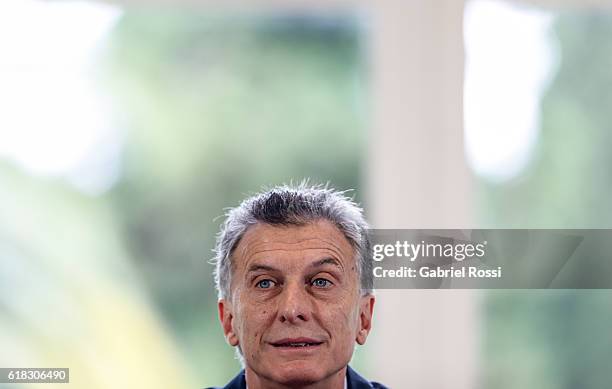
(342,318)
(261,319)
(342,326)
(257,318)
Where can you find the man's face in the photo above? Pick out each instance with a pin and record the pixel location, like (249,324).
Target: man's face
(296,308)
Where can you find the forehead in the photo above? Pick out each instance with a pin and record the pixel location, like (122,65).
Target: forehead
(276,242)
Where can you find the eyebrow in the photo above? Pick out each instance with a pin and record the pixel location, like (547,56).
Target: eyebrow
(257,267)
(325,261)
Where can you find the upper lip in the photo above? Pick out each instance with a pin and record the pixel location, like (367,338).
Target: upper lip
(295,340)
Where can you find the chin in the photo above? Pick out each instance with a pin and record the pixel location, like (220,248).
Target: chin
(296,375)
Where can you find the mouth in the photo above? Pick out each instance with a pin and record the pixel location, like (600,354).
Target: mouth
(297,343)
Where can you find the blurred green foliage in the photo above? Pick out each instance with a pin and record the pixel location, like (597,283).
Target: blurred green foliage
(559,339)
(214,106)
(548,339)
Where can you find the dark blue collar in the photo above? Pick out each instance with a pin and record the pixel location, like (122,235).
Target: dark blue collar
(354,381)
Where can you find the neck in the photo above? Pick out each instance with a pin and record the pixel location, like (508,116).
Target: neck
(256,381)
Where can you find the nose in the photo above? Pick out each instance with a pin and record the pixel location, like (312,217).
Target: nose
(294,305)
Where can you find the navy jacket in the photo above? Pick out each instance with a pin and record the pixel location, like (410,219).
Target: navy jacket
(354,381)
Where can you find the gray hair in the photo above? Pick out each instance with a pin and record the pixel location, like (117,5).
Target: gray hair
(288,205)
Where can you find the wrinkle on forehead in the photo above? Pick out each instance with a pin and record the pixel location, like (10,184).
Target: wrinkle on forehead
(319,235)
(253,250)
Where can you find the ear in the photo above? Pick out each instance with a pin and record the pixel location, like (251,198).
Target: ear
(227,321)
(366,310)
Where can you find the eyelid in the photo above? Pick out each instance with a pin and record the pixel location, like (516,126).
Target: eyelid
(328,275)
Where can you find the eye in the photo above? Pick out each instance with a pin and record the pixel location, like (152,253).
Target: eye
(264,284)
(321,283)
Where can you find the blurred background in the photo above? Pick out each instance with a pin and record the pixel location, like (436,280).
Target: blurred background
(127,128)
